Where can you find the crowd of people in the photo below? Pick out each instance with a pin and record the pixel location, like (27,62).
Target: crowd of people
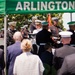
(40,49)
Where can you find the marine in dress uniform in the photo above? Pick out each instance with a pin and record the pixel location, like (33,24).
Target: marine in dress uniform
(10,33)
(68,66)
(38,26)
(60,53)
(33,35)
(43,37)
(72,29)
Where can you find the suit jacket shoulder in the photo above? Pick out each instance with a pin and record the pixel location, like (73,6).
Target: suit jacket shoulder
(70,60)
(65,50)
(68,66)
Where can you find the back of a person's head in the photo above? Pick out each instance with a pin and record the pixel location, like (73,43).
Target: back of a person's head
(26,45)
(17,36)
(66,40)
(47,46)
(65,36)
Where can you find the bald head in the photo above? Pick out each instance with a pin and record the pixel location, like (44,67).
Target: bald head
(17,36)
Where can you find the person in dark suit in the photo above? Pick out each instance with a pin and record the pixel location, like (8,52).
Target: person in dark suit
(13,51)
(2,62)
(72,29)
(47,56)
(60,53)
(43,37)
(68,66)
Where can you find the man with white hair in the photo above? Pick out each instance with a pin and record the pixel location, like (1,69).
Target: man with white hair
(13,51)
(62,52)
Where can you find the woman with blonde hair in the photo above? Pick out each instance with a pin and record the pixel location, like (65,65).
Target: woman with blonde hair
(27,63)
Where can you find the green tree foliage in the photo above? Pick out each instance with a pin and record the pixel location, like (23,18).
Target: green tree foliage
(1,21)
(23,19)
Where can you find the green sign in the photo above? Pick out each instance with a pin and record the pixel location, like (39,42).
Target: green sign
(39,6)
(2,6)
(36,6)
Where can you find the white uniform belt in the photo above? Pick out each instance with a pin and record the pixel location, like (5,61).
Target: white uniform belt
(42,43)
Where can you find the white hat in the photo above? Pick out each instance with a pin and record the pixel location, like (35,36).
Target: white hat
(37,21)
(13,23)
(55,19)
(65,33)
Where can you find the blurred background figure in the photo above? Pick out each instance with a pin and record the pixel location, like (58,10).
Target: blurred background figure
(24,31)
(2,43)
(2,33)
(32,25)
(27,63)
(11,30)
(72,29)
(54,28)
(68,66)
(13,51)
(2,62)
(65,50)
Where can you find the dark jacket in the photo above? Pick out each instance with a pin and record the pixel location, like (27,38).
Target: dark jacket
(43,36)
(2,63)
(47,57)
(72,38)
(12,52)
